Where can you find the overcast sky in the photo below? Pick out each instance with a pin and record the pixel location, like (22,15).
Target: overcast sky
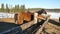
(33,3)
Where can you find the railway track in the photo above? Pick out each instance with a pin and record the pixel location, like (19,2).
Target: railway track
(37,28)
(34,28)
(54,22)
(31,29)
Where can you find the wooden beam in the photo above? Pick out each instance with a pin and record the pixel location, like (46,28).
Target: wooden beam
(27,25)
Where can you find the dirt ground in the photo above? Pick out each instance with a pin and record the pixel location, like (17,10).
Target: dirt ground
(10,20)
(49,28)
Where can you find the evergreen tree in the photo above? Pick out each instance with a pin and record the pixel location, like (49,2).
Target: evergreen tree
(22,8)
(16,8)
(7,9)
(28,10)
(2,7)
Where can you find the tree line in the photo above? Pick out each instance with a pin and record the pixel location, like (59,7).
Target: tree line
(14,9)
(18,8)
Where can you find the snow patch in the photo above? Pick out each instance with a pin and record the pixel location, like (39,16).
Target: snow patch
(6,15)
